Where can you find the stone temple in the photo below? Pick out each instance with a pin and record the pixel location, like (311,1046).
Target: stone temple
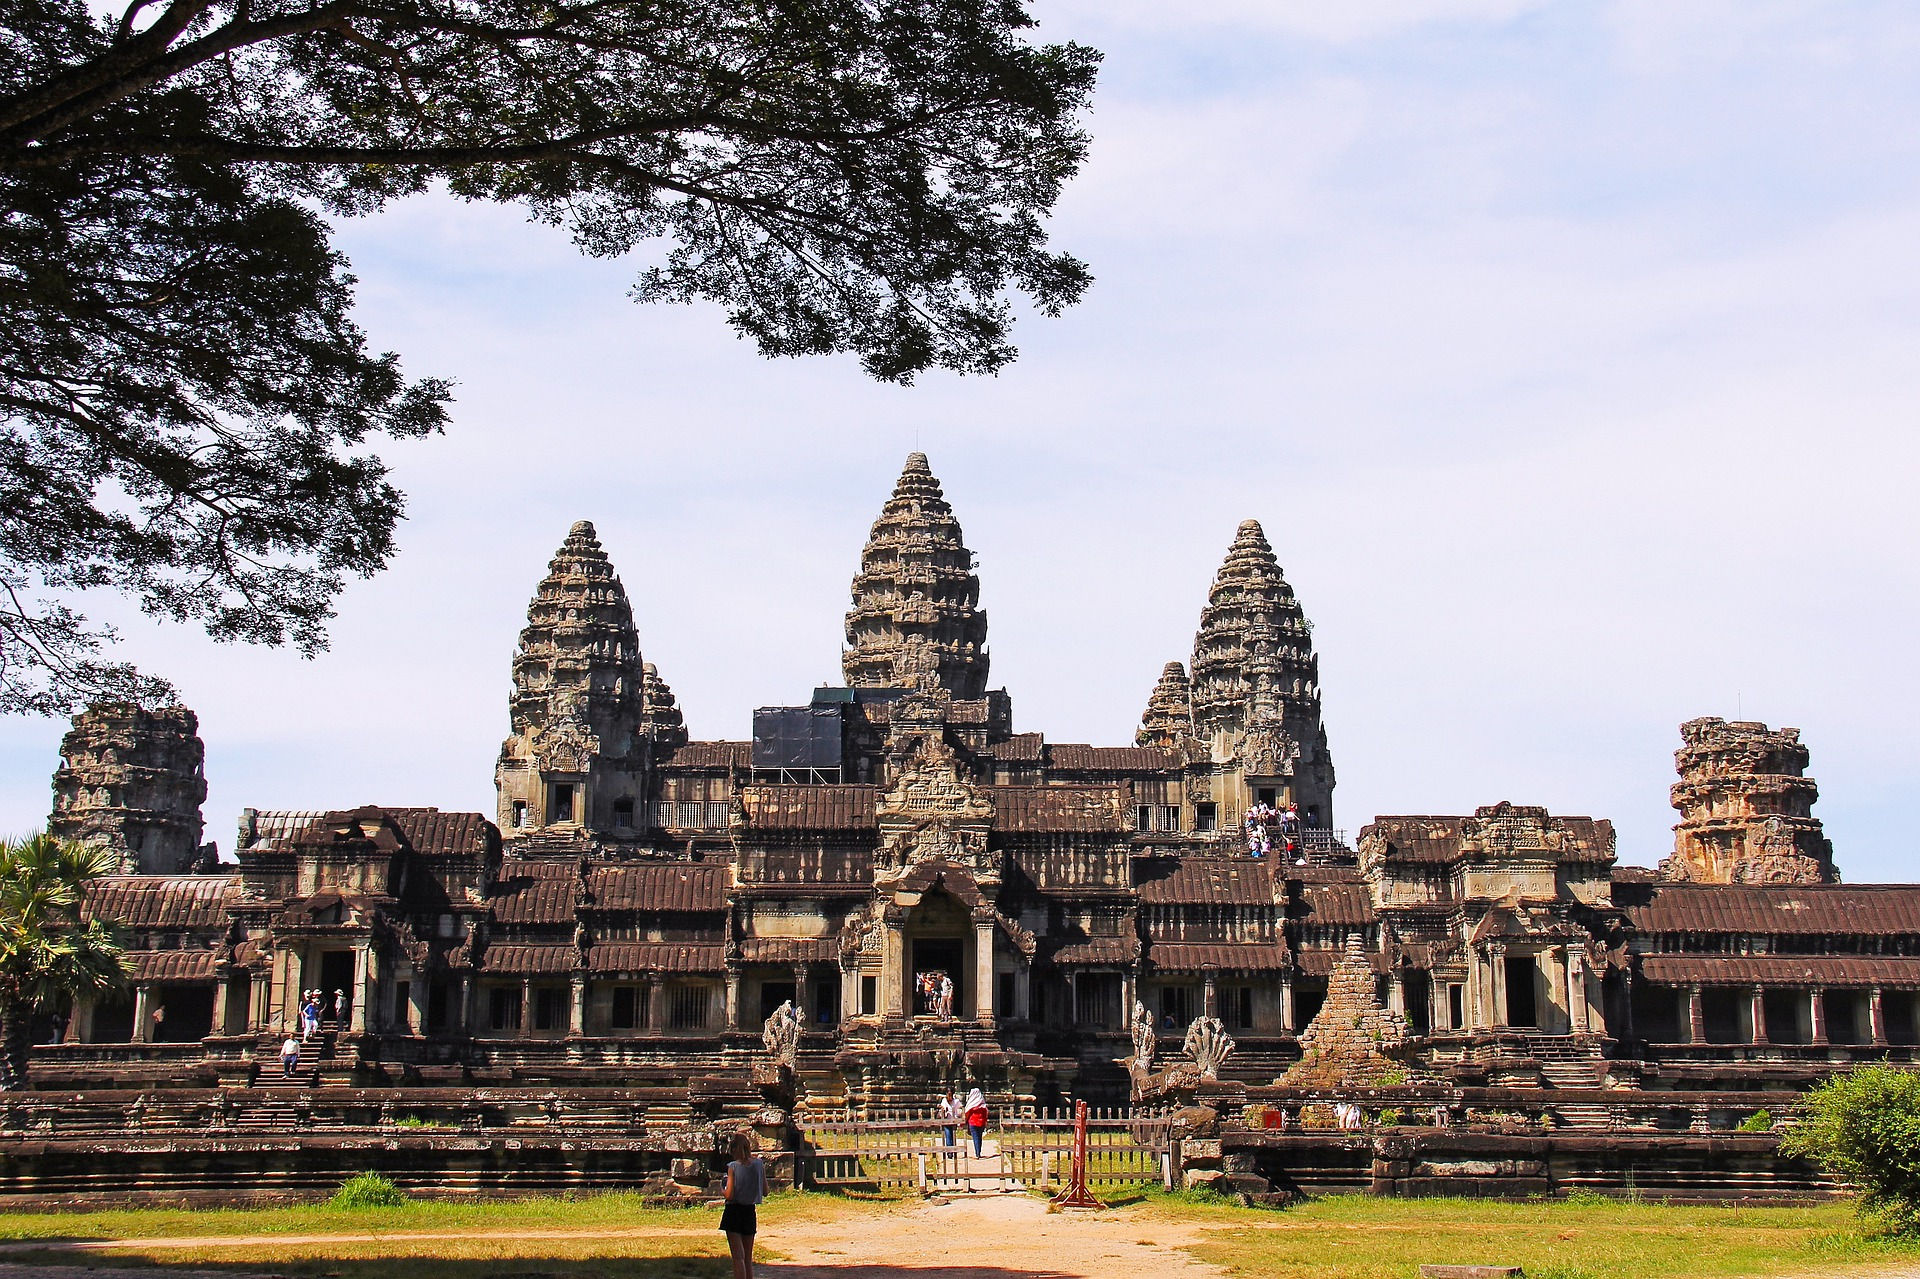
(640,905)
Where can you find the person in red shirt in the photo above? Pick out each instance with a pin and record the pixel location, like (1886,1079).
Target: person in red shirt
(976,1118)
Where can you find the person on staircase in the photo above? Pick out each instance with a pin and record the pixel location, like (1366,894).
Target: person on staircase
(976,1118)
(289,1056)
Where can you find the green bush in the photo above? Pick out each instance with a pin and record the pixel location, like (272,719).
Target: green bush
(368,1190)
(1390,1117)
(1760,1120)
(1864,1126)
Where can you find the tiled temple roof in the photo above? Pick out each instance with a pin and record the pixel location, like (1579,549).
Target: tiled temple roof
(1435,840)
(1224,956)
(1221,881)
(659,886)
(1093,950)
(1335,902)
(1065,809)
(1319,962)
(811,807)
(789,950)
(1022,748)
(1769,909)
(527,961)
(655,957)
(534,892)
(711,755)
(171,965)
(1080,758)
(1783,970)
(158,901)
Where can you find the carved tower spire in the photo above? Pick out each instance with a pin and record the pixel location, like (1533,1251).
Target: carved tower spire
(916,621)
(1169,716)
(1746,808)
(1256,679)
(573,759)
(133,780)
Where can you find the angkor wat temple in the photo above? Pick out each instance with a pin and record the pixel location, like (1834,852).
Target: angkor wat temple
(639,904)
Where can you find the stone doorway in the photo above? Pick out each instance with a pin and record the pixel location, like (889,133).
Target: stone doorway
(940,955)
(335,972)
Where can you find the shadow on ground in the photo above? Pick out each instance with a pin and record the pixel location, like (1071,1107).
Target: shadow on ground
(59,1265)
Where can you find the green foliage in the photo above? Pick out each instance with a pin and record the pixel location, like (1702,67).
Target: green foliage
(368,1190)
(1760,1120)
(1864,1126)
(1393,1077)
(48,952)
(185,400)
(1390,1116)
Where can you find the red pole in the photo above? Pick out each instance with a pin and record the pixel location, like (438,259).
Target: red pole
(1076,1195)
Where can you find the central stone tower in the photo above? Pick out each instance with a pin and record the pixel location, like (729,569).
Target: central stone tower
(916,621)
(1746,808)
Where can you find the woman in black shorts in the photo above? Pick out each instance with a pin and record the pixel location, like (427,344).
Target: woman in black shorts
(746,1187)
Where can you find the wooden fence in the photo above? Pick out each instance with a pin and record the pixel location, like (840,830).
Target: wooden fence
(909,1152)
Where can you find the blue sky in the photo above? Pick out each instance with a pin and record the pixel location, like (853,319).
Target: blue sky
(1565,351)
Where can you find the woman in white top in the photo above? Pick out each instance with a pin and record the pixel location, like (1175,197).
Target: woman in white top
(746,1188)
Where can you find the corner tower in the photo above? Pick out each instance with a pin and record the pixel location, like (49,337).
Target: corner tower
(1256,683)
(133,780)
(576,760)
(916,621)
(1746,808)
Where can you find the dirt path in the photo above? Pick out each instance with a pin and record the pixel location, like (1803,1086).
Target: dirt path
(968,1237)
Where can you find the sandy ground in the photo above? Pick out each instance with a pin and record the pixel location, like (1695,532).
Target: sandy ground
(969,1237)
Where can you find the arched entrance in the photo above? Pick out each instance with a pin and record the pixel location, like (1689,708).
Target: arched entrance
(939,942)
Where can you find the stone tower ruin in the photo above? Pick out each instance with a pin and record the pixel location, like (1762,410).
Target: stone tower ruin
(916,621)
(576,760)
(133,780)
(1256,681)
(1746,808)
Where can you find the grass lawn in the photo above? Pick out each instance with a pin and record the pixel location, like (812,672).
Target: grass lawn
(1358,1237)
(628,1239)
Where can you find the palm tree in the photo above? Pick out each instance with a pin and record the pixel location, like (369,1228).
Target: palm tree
(47,951)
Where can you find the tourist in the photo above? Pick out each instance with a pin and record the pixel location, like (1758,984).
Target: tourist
(950,1112)
(976,1118)
(946,997)
(746,1188)
(339,1008)
(289,1056)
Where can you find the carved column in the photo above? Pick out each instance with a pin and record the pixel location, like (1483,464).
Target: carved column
(526,1007)
(260,1004)
(1397,991)
(1210,996)
(465,991)
(1579,1011)
(1073,997)
(893,964)
(1759,1014)
(656,1003)
(1817,1013)
(577,1019)
(1626,1003)
(143,1014)
(362,989)
(983,991)
(80,1021)
(419,991)
(1286,1004)
(1696,1018)
(1497,966)
(732,1018)
(802,1005)
(849,992)
(1877,1016)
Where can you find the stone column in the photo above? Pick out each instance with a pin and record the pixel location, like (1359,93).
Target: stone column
(577,1017)
(1129,995)
(1759,1014)
(526,1007)
(1877,1016)
(1696,1018)
(734,979)
(261,1008)
(419,991)
(1397,991)
(1286,1004)
(143,1014)
(1210,996)
(983,991)
(1579,1011)
(362,988)
(656,1003)
(1626,1003)
(1073,998)
(802,1006)
(849,992)
(893,967)
(1023,991)
(1497,970)
(465,991)
(80,1021)
(1817,1013)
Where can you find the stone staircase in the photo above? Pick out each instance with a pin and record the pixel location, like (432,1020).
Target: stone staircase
(314,1049)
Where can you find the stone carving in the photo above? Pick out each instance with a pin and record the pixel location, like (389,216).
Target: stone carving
(1746,808)
(1352,1042)
(133,780)
(1254,668)
(1168,720)
(1145,1037)
(1209,1044)
(781,1034)
(582,701)
(933,811)
(916,621)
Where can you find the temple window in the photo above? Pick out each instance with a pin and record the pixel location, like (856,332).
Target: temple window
(548,1005)
(1206,816)
(503,1008)
(626,1007)
(560,802)
(687,1008)
(869,995)
(623,814)
(519,813)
